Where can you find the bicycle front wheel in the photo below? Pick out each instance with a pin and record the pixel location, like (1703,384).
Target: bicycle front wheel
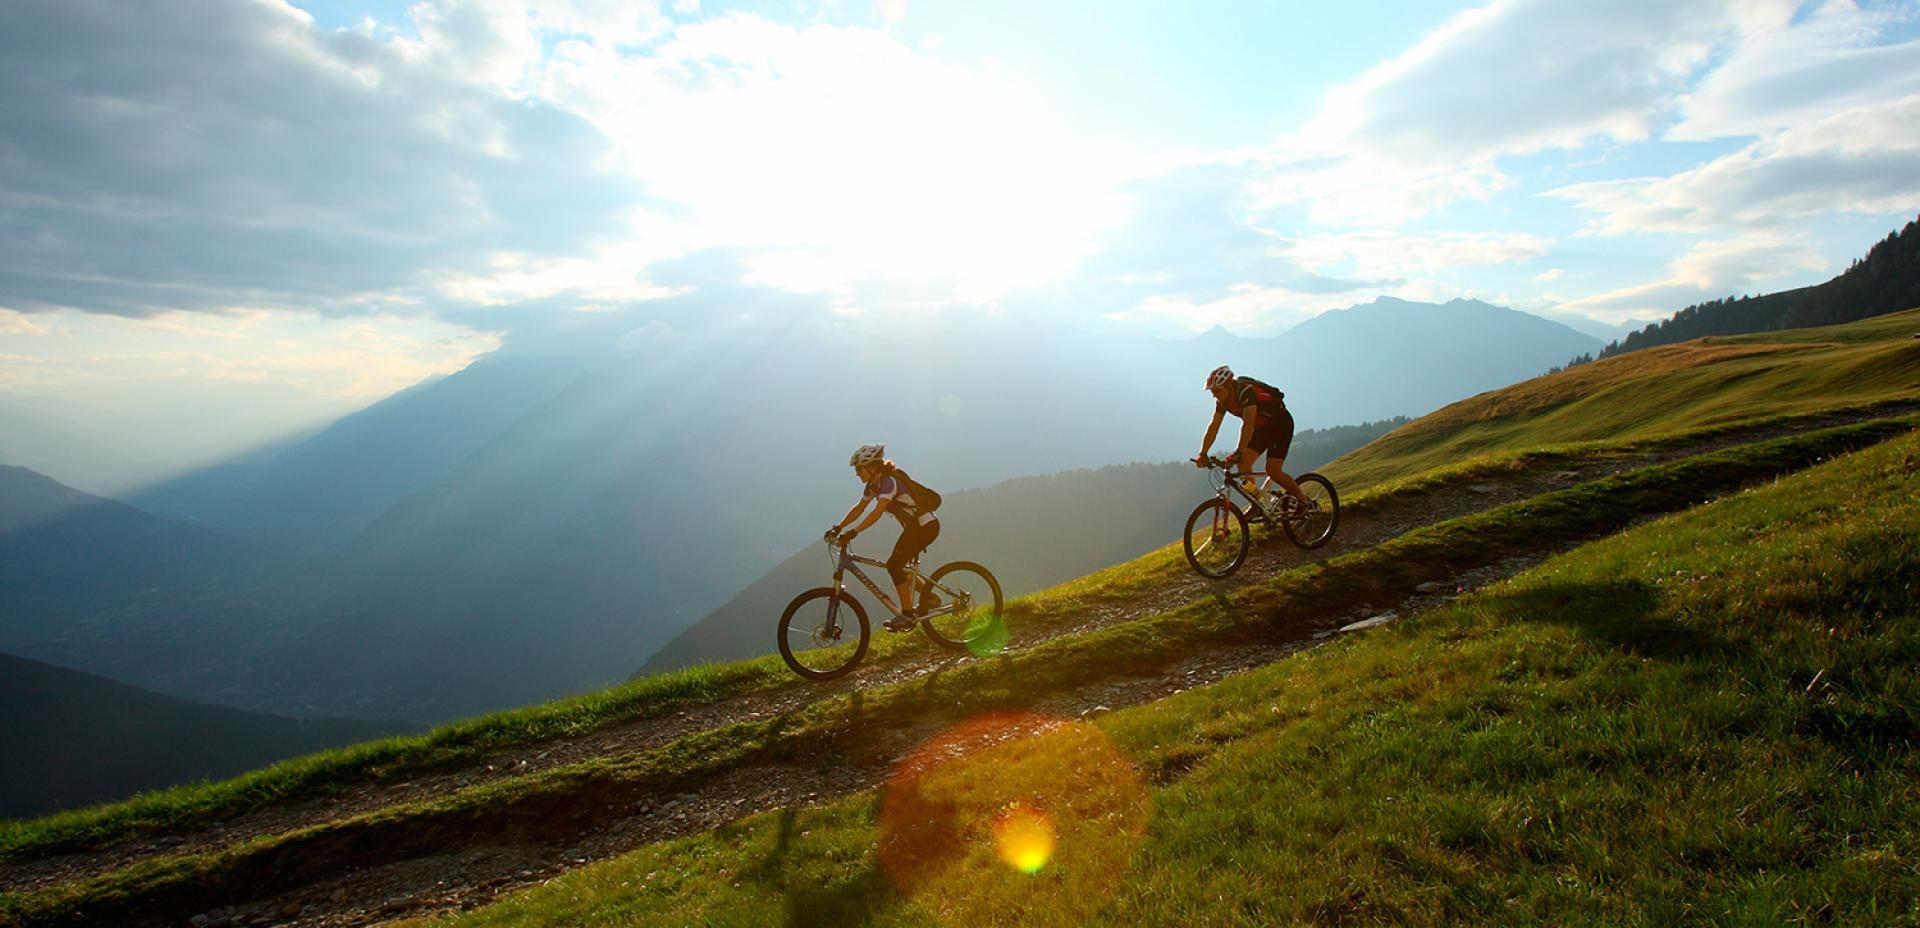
(1216,538)
(823,633)
(970,616)
(1312,526)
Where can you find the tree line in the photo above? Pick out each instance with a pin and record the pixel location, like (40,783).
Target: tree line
(1887,280)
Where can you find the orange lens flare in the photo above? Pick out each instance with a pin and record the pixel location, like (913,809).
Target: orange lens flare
(1009,814)
(1025,837)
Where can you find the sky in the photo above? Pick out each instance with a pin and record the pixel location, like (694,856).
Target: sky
(262,214)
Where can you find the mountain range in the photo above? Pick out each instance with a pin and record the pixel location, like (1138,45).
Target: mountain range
(546,520)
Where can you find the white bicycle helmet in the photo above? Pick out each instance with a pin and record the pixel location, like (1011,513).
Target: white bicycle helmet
(867,454)
(1221,375)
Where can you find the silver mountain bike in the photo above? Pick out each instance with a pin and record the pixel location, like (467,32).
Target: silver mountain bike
(824,632)
(1218,531)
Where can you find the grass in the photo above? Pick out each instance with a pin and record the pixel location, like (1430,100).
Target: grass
(390,759)
(1710,719)
(834,730)
(1149,571)
(1657,391)
(1640,402)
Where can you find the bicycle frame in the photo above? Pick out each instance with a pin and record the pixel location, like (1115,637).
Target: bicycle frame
(848,560)
(1254,511)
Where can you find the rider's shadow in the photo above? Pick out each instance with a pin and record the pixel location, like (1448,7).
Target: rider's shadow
(812,901)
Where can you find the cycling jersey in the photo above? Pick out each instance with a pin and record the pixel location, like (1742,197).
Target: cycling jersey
(899,499)
(1248,392)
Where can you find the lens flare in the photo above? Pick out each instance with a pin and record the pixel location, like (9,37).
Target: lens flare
(1009,814)
(1025,837)
(987,636)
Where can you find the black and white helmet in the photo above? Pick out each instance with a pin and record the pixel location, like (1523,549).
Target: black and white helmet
(1220,377)
(867,454)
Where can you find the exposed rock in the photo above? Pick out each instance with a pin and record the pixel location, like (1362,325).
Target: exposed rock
(1484,488)
(1431,586)
(1378,620)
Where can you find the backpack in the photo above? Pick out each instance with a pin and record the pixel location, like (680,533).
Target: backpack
(928,500)
(1263,393)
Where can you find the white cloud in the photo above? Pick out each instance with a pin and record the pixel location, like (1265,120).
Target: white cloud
(1378,255)
(1790,68)
(1426,129)
(243,156)
(1550,274)
(1521,76)
(1246,309)
(1863,160)
(1358,188)
(846,143)
(16,323)
(1710,270)
(1253,309)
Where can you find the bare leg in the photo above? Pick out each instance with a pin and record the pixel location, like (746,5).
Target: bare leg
(1286,483)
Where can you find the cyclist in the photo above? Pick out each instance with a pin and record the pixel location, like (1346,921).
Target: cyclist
(1266,427)
(894,491)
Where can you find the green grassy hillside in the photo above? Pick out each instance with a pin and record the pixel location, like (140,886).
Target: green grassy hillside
(1764,377)
(1769,392)
(1658,391)
(1710,719)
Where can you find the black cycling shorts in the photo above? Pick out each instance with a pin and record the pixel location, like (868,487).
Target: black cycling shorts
(1274,435)
(912,541)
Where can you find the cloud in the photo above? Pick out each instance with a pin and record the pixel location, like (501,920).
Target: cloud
(502,152)
(1521,76)
(1247,309)
(16,323)
(1792,67)
(1864,160)
(1710,270)
(241,158)
(1382,254)
(881,162)
(1426,129)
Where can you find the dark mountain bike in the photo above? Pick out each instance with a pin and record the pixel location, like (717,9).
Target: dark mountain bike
(1218,535)
(824,632)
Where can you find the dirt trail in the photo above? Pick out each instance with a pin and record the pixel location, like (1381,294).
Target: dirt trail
(473,875)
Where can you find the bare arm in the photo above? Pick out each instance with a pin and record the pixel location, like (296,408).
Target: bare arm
(1213,431)
(852,514)
(871,518)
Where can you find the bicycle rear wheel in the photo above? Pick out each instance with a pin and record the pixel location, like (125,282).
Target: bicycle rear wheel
(815,648)
(973,596)
(1216,539)
(1312,527)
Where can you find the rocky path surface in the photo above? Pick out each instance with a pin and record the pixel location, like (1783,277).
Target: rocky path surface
(483,869)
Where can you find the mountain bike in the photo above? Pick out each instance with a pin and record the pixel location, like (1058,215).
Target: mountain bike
(1218,535)
(824,631)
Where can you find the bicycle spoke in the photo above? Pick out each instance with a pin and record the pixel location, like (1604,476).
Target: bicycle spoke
(816,646)
(968,615)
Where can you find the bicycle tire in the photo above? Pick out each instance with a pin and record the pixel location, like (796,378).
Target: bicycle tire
(1224,529)
(1313,530)
(825,664)
(960,631)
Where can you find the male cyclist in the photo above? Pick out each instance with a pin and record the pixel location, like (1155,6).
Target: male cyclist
(1266,427)
(918,528)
